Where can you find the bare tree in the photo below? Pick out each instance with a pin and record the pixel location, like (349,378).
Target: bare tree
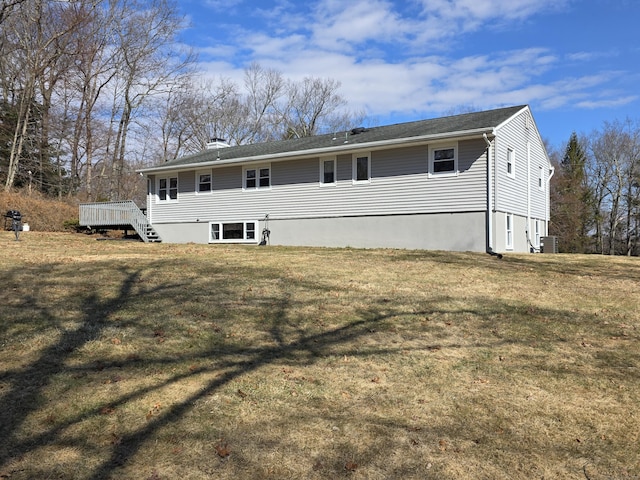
(36,31)
(147,64)
(190,114)
(613,171)
(264,88)
(94,67)
(7,6)
(311,106)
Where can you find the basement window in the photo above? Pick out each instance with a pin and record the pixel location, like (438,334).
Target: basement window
(232,232)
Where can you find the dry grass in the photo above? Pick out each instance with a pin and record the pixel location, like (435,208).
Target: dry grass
(42,214)
(133,361)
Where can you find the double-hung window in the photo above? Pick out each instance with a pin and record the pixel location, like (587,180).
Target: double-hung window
(233,232)
(256,177)
(540,178)
(168,189)
(362,168)
(204,182)
(511,163)
(328,171)
(443,160)
(509,231)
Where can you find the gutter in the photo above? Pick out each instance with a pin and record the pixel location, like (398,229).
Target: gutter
(315,152)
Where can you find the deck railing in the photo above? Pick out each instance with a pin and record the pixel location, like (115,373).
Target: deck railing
(113,214)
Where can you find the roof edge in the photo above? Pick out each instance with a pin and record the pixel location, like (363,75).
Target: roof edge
(314,152)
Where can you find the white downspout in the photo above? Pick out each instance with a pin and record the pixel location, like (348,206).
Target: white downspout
(547,213)
(489,196)
(149,201)
(529,244)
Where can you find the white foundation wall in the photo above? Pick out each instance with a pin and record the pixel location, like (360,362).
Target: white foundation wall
(520,240)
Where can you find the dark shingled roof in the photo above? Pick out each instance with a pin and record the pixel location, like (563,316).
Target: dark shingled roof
(457,123)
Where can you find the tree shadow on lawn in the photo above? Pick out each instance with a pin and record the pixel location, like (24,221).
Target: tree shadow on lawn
(579,265)
(24,394)
(24,387)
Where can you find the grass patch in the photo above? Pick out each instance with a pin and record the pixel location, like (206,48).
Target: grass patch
(136,361)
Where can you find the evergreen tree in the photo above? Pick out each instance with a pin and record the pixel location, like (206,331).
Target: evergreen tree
(572,212)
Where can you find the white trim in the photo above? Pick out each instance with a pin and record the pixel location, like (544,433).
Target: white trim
(438,147)
(354,166)
(322,161)
(245,239)
(523,109)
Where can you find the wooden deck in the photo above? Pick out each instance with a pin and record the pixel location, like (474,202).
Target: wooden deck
(115,216)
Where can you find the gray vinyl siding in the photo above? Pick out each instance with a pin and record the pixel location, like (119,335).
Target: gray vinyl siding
(539,198)
(400,184)
(511,193)
(295,173)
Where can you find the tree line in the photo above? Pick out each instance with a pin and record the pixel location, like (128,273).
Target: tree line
(90,90)
(595,194)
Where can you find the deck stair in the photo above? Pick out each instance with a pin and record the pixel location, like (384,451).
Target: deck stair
(117,215)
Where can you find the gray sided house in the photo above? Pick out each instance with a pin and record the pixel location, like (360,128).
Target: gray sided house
(472,182)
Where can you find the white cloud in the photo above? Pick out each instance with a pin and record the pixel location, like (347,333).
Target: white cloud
(347,25)
(473,12)
(222,5)
(608,103)
(376,49)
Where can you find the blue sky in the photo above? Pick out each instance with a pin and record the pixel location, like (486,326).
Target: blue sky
(575,62)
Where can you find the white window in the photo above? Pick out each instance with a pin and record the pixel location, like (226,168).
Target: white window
(233,232)
(203,182)
(536,230)
(256,177)
(328,171)
(509,231)
(540,178)
(361,168)
(443,160)
(511,162)
(168,189)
